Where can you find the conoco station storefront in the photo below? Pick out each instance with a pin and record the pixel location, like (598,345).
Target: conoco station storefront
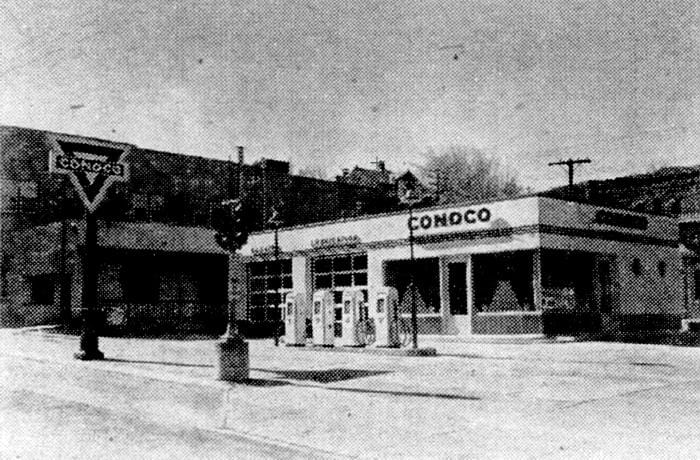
(525,266)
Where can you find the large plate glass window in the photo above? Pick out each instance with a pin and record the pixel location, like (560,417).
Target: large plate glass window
(503,282)
(269,282)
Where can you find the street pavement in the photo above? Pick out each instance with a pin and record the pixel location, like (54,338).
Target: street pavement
(160,398)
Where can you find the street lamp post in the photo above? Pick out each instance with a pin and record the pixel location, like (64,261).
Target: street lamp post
(275,223)
(410,199)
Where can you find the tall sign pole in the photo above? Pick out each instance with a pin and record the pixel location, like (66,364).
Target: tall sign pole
(92,166)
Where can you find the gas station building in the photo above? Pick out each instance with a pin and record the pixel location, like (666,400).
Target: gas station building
(531,265)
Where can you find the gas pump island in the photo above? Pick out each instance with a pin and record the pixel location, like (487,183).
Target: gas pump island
(381,310)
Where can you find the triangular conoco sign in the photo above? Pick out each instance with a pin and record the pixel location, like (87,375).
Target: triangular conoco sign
(91,164)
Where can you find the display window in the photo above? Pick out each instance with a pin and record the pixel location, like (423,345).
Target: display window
(568,279)
(503,282)
(426,280)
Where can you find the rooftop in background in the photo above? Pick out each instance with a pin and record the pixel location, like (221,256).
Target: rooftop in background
(670,191)
(378,177)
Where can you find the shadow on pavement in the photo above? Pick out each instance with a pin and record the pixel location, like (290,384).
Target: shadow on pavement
(323,376)
(161,363)
(416,394)
(263,383)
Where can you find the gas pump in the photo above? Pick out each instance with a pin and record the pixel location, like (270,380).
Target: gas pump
(353,329)
(323,318)
(384,303)
(295,320)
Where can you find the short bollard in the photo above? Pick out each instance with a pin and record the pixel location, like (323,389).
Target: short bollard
(234,362)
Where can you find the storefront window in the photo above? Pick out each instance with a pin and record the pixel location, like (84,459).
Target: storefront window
(503,282)
(268,281)
(567,280)
(426,280)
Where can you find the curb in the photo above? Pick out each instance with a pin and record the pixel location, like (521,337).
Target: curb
(415,352)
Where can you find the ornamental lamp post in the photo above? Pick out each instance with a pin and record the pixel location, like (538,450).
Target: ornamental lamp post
(275,222)
(410,199)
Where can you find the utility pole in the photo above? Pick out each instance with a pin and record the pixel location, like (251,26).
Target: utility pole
(410,199)
(571,165)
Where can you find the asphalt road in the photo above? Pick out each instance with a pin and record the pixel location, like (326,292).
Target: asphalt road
(158,398)
(40,418)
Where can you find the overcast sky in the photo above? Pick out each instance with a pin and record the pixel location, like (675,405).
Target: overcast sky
(338,83)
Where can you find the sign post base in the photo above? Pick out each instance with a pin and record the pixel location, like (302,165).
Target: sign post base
(233,358)
(89,347)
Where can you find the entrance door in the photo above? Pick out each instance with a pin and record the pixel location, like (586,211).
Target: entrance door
(457,287)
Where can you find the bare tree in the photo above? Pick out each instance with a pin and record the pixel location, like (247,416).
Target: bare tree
(461,173)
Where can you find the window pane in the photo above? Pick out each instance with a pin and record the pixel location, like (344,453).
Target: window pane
(342,264)
(360,279)
(343,280)
(273,283)
(323,282)
(273,299)
(287,266)
(257,268)
(257,299)
(360,262)
(257,284)
(287,282)
(322,265)
(257,314)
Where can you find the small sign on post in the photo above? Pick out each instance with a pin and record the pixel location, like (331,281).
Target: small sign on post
(92,166)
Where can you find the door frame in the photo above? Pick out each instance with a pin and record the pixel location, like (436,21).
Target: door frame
(456,324)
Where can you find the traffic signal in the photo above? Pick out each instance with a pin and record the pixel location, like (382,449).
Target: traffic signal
(230,224)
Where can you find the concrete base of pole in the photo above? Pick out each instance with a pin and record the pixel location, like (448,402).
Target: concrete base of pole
(234,361)
(89,348)
(94,355)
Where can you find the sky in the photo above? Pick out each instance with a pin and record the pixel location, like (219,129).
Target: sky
(334,84)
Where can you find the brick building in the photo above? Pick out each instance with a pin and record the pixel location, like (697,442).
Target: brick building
(160,268)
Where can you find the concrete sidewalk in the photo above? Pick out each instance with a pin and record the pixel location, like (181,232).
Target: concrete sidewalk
(473,400)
